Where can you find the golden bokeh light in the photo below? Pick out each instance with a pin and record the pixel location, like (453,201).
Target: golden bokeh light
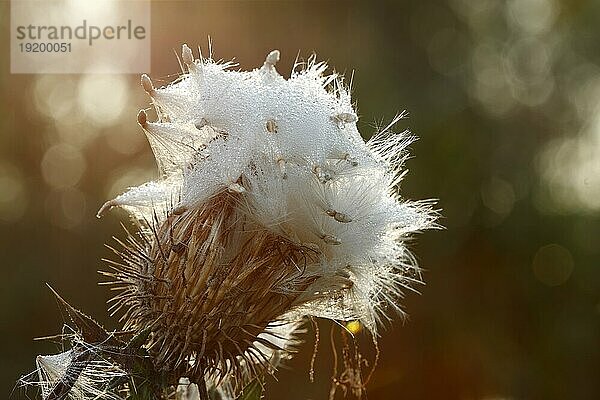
(63,166)
(103,98)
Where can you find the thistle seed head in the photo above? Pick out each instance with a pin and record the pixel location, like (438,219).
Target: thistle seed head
(270,208)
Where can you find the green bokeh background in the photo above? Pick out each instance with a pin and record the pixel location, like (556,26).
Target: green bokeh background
(504,96)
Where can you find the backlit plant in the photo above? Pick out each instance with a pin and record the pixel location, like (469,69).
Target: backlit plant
(270,209)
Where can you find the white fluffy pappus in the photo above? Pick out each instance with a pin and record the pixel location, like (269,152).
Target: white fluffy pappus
(80,373)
